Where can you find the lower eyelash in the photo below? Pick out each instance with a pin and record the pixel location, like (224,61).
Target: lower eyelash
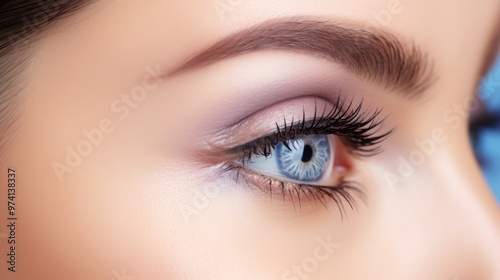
(342,193)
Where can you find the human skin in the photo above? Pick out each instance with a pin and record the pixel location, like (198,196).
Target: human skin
(150,201)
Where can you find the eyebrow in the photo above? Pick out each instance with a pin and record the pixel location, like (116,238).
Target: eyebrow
(374,55)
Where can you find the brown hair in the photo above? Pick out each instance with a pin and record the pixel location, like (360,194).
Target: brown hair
(21,21)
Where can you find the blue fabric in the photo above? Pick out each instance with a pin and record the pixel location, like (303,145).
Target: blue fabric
(488,139)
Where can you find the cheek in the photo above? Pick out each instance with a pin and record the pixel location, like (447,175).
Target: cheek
(84,189)
(213,227)
(91,218)
(417,199)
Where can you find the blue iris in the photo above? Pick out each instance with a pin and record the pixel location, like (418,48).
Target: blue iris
(306,160)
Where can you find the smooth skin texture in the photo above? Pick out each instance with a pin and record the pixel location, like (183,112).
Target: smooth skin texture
(147,201)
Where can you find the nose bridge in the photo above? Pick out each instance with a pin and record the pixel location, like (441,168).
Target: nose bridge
(469,209)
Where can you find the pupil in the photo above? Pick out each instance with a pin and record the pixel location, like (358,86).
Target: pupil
(308,153)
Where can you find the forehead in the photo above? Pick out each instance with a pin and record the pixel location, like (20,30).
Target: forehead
(185,27)
(171,32)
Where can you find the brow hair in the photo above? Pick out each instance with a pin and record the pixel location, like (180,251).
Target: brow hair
(21,23)
(373,54)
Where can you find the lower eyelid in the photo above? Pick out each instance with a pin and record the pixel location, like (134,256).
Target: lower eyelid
(344,194)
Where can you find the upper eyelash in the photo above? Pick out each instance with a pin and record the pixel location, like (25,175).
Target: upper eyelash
(357,130)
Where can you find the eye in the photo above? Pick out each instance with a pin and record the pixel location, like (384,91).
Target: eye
(305,159)
(308,159)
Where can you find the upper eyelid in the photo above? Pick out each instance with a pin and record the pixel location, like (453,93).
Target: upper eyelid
(227,138)
(356,118)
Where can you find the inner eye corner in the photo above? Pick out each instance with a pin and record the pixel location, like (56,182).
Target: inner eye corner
(343,162)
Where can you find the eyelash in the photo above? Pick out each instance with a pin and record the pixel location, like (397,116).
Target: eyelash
(358,130)
(342,192)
